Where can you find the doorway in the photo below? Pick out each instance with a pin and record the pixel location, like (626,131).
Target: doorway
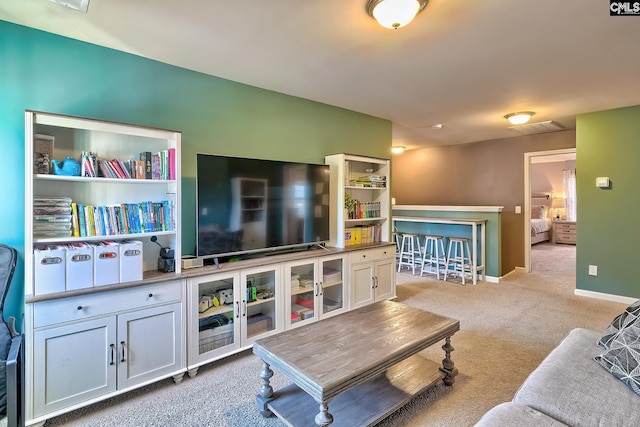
(545,186)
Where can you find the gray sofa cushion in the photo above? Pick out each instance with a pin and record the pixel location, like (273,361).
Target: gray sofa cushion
(513,414)
(570,386)
(621,321)
(622,358)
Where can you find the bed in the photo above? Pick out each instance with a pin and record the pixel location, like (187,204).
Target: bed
(540,221)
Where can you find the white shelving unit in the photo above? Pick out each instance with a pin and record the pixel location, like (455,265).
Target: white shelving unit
(85,344)
(367,180)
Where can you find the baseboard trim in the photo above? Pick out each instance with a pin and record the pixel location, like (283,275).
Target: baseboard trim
(492,279)
(606,297)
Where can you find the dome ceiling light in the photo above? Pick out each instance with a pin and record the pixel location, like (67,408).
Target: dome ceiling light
(394,13)
(519,118)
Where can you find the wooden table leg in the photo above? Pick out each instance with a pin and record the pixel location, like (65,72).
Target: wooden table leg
(266,391)
(324,418)
(447,364)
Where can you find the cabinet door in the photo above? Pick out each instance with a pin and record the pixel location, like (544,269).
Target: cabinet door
(261,303)
(333,298)
(73,363)
(362,283)
(213,322)
(149,344)
(385,279)
(302,291)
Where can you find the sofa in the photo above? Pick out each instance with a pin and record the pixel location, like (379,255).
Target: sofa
(590,379)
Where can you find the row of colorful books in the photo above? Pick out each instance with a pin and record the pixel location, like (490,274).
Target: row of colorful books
(364,210)
(148,165)
(126,218)
(362,234)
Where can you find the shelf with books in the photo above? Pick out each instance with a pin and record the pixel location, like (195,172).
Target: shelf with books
(101,179)
(360,196)
(90,142)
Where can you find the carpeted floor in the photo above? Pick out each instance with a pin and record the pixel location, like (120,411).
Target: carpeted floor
(506,330)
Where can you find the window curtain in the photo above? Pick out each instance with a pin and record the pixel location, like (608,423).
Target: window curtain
(569,181)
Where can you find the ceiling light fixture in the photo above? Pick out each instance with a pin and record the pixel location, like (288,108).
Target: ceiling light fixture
(519,118)
(394,13)
(398,149)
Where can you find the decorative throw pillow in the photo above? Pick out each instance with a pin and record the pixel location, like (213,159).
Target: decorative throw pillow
(622,358)
(620,322)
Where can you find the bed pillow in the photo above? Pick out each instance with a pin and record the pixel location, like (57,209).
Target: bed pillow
(621,321)
(537,212)
(622,358)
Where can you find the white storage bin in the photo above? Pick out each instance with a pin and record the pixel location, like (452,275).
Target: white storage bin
(49,269)
(79,266)
(130,260)
(106,263)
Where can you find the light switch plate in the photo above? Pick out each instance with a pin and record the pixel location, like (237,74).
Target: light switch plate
(602,182)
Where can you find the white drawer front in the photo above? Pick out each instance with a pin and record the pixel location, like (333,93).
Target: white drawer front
(85,306)
(373,254)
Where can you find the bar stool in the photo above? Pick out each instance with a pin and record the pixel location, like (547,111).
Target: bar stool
(410,252)
(457,258)
(434,257)
(396,236)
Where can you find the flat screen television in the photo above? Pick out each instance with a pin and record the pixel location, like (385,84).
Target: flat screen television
(251,205)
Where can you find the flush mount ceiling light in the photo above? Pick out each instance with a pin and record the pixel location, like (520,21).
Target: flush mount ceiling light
(519,118)
(394,13)
(398,149)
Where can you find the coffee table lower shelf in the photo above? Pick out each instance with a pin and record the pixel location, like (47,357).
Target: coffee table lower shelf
(365,404)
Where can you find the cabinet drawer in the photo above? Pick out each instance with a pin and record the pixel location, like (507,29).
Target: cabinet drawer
(566,238)
(372,254)
(567,227)
(565,232)
(85,306)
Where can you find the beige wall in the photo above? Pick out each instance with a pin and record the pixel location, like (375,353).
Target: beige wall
(479,173)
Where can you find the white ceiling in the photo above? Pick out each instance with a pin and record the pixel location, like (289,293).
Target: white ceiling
(461,63)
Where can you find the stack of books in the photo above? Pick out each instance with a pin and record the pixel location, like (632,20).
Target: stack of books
(51,217)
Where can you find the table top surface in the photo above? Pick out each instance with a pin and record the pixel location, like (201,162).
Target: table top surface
(466,221)
(329,356)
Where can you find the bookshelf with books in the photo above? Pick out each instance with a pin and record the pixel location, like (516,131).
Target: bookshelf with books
(360,200)
(96,226)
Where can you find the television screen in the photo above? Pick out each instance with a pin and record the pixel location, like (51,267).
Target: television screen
(250,205)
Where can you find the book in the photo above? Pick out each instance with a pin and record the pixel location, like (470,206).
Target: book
(172,163)
(145,156)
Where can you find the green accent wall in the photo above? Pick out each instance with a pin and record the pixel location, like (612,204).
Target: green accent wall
(608,144)
(44,72)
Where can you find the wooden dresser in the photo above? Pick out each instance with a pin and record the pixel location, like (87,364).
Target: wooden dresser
(564,232)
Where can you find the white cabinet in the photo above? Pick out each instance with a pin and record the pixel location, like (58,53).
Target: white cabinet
(365,181)
(115,322)
(372,276)
(93,346)
(230,310)
(315,289)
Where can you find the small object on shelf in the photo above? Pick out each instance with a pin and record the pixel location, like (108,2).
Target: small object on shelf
(42,153)
(66,167)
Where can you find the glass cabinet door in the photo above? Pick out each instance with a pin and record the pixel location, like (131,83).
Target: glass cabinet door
(217,315)
(260,303)
(302,286)
(332,287)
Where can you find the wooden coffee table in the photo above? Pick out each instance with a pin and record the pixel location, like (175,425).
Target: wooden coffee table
(364,363)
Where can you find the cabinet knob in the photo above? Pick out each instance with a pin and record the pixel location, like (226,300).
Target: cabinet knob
(80,308)
(150,295)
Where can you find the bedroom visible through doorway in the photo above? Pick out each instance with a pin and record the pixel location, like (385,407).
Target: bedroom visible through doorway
(550,232)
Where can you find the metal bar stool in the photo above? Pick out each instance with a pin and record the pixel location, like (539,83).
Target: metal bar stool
(457,258)
(410,252)
(434,257)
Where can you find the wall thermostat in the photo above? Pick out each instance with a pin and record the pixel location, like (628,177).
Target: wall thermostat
(602,182)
